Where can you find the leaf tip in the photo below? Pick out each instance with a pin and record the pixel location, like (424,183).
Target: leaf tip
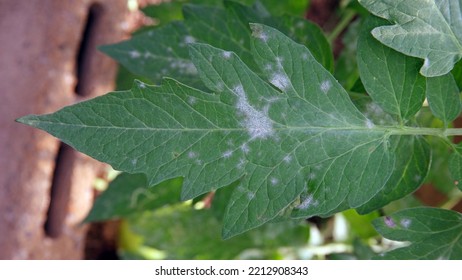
(259,32)
(30,120)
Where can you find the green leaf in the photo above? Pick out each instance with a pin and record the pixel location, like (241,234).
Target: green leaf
(295,142)
(412,164)
(293,7)
(392,79)
(431,30)
(156,53)
(360,225)
(455,167)
(434,233)
(163,51)
(457,73)
(443,98)
(129,194)
(181,232)
(346,68)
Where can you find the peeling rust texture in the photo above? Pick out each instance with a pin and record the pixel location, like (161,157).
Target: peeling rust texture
(49,51)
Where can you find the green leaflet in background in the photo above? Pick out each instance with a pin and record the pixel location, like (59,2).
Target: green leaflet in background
(346,68)
(434,233)
(162,52)
(444,98)
(431,30)
(157,53)
(455,167)
(412,164)
(360,225)
(392,79)
(457,73)
(183,233)
(129,194)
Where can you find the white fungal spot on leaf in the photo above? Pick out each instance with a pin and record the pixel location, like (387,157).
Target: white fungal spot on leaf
(274,181)
(227,54)
(134,54)
(192,154)
(241,163)
(307,202)
(192,100)
(426,62)
(189,39)
(227,154)
(405,223)
(287,159)
(369,124)
(257,123)
(184,67)
(279,61)
(257,32)
(325,86)
(245,148)
(280,80)
(134,161)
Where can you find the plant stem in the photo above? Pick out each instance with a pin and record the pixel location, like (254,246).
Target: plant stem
(345,20)
(425,131)
(453,201)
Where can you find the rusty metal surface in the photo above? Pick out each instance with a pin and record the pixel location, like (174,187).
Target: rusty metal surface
(40,45)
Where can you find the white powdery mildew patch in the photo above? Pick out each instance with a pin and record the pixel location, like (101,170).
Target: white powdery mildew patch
(369,124)
(184,67)
(227,54)
(134,161)
(192,100)
(241,163)
(220,86)
(307,202)
(189,39)
(257,123)
(426,62)
(274,181)
(406,223)
(245,148)
(260,34)
(230,142)
(279,61)
(141,85)
(325,86)
(134,54)
(192,154)
(280,80)
(227,154)
(287,159)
